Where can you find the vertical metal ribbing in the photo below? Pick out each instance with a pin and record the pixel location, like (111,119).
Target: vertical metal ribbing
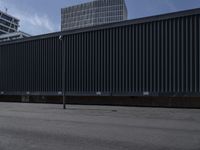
(4,51)
(178,54)
(151,56)
(169,56)
(184,44)
(108,50)
(1,74)
(122,56)
(77,41)
(1,77)
(167,53)
(148,59)
(143,61)
(101,40)
(154,56)
(126,59)
(73,67)
(181,56)
(183,53)
(120,61)
(40,45)
(130,57)
(174,56)
(93,62)
(43,65)
(69,61)
(40,51)
(4,63)
(140,59)
(98,61)
(195,54)
(95,37)
(79,63)
(166,56)
(190,49)
(87,67)
(53,67)
(116,63)
(112,57)
(198,31)
(33,70)
(158,56)
(95,48)
(46,66)
(73,63)
(85,63)
(89,62)
(162,56)
(25,68)
(21,77)
(136,27)
(105,38)
(7,75)
(56,66)
(57,88)
(186,54)
(105,59)
(110,60)
(39,58)
(133,59)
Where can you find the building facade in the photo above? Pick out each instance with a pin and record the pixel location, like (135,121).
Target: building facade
(8,23)
(13,36)
(93,13)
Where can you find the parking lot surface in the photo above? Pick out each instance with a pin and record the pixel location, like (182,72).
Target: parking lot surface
(49,127)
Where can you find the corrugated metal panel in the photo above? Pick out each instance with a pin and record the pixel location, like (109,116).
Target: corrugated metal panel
(158,57)
(33,66)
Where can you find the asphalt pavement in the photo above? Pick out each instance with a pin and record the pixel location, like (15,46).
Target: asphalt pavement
(49,127)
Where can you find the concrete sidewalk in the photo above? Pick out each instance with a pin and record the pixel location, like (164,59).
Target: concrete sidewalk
(49,127)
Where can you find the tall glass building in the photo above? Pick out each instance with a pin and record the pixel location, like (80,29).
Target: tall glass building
(8,23)
(93,13)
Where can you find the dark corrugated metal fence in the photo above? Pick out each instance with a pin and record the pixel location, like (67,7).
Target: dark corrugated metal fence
(148,57)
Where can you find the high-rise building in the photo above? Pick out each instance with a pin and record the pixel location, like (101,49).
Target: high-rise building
(9,28)
(13,36)
(8,23)
(93,13)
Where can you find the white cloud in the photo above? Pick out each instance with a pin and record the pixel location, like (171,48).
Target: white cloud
(42,21)
(32,23)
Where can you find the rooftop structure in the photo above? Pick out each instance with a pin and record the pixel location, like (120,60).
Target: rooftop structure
(13,36)
(8,23)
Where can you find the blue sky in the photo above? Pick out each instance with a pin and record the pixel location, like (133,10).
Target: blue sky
(43,16)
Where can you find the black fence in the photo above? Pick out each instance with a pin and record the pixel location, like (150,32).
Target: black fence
(153,56)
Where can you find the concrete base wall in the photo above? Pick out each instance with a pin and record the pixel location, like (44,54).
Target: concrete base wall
(178,102)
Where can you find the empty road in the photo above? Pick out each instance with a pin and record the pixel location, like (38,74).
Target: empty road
(49,127)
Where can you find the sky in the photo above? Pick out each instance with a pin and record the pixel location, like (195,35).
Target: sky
(43,16)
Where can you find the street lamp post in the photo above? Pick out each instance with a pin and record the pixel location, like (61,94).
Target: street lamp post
(63,72)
